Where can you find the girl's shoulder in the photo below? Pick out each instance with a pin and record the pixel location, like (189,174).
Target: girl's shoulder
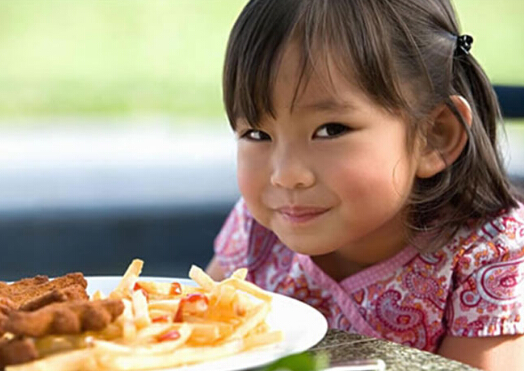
(498,239)
(488,277)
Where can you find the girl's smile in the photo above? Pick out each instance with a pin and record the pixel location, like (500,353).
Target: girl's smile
(301,215)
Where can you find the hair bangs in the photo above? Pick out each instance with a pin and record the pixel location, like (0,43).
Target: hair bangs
(356,36)
(252,58)
(356,39)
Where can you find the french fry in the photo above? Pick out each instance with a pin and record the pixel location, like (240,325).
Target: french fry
(53,344)
(254,317)
(98,295)
(201,277)
(146,348)
(140,309)
(206,332)
(183,356)
(262,339)
(112,331)
(240,274)
(168,305)
(159,315)
(247,287)
(125,287)
(242,305)
(149,334)
(225,296)
(186,290)
(127,322)
(161,289)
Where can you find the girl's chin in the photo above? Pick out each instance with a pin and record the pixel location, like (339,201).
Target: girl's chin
(306,247)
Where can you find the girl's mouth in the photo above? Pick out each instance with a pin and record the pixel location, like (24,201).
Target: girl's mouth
(299,214)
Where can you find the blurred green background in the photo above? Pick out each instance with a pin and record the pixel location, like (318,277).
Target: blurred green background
(159,57)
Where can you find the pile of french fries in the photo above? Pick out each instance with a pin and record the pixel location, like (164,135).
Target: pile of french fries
(165,325)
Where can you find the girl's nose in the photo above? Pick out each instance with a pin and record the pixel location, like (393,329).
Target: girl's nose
(291,171)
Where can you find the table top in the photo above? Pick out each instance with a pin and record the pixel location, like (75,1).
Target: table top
(343,346)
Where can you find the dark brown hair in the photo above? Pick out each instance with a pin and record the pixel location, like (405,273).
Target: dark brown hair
(382,45)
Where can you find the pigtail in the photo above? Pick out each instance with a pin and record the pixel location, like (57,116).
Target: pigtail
(483,96)
(493,190)
(475,187)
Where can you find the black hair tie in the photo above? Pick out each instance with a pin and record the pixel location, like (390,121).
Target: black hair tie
(463,45)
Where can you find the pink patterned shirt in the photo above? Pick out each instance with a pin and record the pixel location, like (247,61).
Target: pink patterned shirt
(473,286)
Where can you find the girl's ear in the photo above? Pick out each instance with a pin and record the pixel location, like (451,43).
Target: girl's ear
(445,138)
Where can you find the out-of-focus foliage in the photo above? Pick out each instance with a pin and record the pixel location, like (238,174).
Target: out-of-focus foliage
(63,57)
(164,57)
(498,29)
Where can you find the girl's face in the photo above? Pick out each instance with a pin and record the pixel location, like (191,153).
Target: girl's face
(330,174)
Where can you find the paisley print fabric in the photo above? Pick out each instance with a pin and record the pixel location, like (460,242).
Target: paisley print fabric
(473,286)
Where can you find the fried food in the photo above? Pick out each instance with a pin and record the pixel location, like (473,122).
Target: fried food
(72,317)
(6,305)
(24,283)
(142,325)
(17,350)
(36,307)
(74,292)
(33,293)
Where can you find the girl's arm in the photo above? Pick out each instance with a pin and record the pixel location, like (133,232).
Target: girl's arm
(497,353)
(214,270)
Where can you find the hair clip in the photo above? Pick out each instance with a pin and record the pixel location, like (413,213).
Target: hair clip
(463,44)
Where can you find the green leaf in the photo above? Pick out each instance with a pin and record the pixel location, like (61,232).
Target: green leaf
(300,362)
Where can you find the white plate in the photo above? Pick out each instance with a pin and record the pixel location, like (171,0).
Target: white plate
(302,326)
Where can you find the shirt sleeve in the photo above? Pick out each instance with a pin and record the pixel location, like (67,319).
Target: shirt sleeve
(488,294)
(232,242)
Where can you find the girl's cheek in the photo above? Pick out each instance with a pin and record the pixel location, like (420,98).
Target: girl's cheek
(245,185)
(252,190)
(248,178)
(357,178)
(252,167)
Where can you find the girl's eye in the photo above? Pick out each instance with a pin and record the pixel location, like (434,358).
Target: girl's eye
(255,135)
(331,130)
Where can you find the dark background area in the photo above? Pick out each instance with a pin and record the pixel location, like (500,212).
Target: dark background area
(97,243)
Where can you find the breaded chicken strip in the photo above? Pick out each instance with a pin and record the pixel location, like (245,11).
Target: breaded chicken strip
(63,318)
(23,284)
(71,293)
(33,293)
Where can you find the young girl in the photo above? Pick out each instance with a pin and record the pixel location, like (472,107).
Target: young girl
(372,185)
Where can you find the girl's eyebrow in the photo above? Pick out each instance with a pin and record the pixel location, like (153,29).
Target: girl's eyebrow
(330,105)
